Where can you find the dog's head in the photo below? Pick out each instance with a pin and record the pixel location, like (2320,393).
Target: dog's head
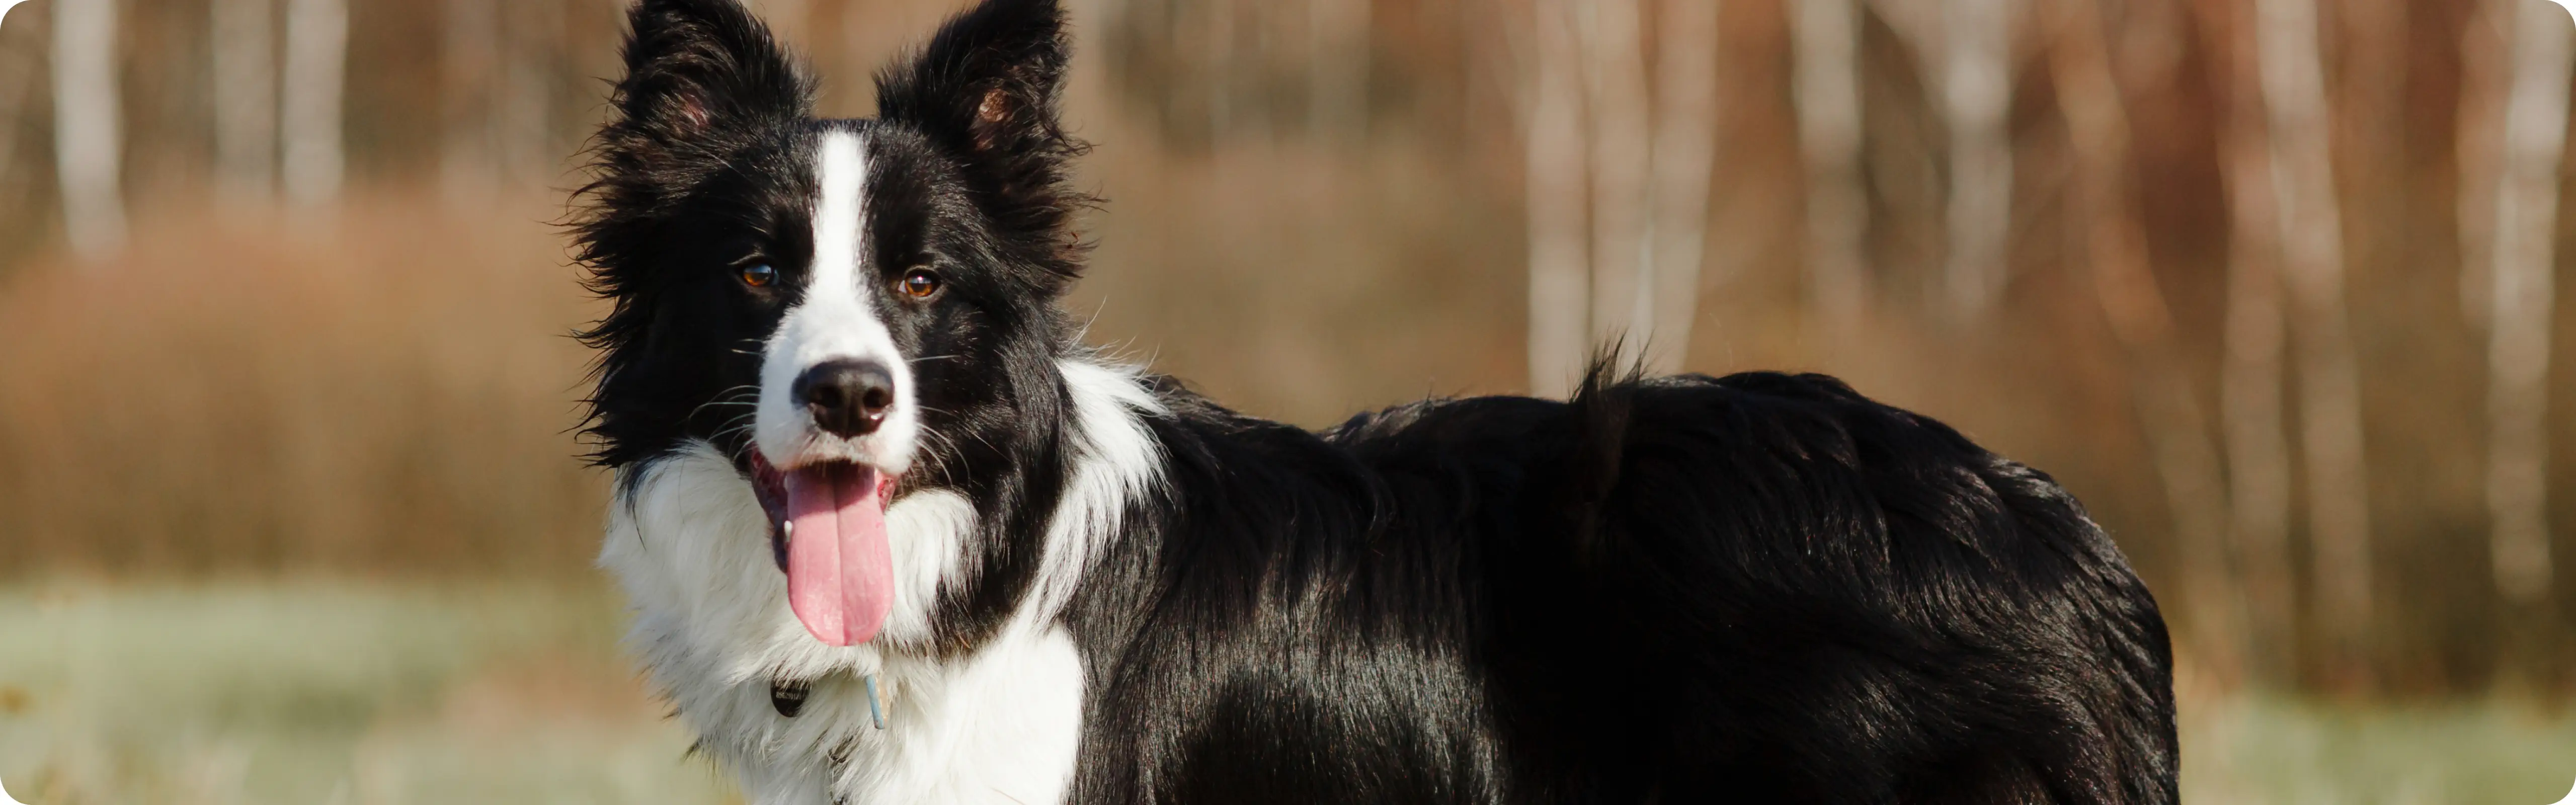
(854,310)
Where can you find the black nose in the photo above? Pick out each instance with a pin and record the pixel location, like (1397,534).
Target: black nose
(848,398)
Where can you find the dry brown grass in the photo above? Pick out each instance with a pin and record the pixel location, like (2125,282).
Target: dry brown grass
(388,388)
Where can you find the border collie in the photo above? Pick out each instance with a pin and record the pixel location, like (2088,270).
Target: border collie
(892,534)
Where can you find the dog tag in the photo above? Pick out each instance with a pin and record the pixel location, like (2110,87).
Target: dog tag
(788,696)
(876,712)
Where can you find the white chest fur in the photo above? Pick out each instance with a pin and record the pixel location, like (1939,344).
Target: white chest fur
(690,546)
(711,623)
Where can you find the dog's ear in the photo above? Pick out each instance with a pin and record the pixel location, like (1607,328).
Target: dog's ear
(701,76)
(987,90)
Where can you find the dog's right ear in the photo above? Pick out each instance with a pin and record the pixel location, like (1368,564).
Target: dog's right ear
(701,77)
(703,80)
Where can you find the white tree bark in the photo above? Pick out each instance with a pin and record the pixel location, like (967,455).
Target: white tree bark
(2521,312)
(2329,372)
(245,98)
(1615,81)
(2250,381)
(1685,156)
(317,40)
(1554,140)
(1976,94)
(1826,87)
(89,140)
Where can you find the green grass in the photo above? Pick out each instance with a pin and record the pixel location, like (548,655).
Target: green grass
(352,692)
(320,691)
(2293,752)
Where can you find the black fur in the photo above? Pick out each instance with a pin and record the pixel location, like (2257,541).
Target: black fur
(1760,588)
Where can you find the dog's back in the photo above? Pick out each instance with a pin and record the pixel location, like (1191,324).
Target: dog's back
(1768,588)
(1762,588)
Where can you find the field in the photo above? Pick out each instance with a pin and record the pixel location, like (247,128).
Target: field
(349,692)
(329,691)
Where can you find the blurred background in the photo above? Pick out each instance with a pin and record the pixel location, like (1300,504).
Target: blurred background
(289,508)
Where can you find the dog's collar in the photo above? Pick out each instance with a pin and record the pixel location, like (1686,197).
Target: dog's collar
(787,696)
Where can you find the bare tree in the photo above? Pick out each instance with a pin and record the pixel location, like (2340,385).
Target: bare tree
(1976,95)
(1826,86)
(2124,284)
(1554,142)
(1685,157)
(2250,381)
(1615,82)
(2293,73)
(2486,78)
(89,139)
(2521,313)
(317,40)
(245,97)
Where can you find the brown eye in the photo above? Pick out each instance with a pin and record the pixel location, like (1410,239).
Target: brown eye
(759,275)
(919,283)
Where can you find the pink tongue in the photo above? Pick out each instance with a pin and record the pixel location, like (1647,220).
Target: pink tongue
(840,580)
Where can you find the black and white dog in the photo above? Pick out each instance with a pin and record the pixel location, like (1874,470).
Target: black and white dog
(893,535)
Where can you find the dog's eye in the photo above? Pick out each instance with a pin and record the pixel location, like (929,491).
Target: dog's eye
(920,283)
(759,275)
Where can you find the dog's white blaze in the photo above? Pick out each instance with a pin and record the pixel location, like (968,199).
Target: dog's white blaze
(835,319)
(690,545)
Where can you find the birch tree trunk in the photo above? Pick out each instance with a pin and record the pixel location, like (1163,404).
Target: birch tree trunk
(1615,81)
(2522,312)
(317,39)
(2329,376)
(1976,90)
(245,98)
(1685,156)
(1559,250)
(2124,284)
(2250,382)
(1826,87)
(89,141)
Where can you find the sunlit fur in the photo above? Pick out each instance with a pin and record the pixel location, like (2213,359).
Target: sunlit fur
(1107,589)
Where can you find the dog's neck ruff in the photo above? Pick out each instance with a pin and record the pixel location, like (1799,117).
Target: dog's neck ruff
(996,724)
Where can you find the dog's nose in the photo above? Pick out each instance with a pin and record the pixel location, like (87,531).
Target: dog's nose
(847,398)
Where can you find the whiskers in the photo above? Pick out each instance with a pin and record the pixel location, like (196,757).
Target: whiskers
(731,396)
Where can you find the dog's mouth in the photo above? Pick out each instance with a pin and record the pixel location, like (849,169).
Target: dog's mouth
(827,531)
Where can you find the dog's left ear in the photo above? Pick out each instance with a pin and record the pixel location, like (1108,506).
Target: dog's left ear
(987,90)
